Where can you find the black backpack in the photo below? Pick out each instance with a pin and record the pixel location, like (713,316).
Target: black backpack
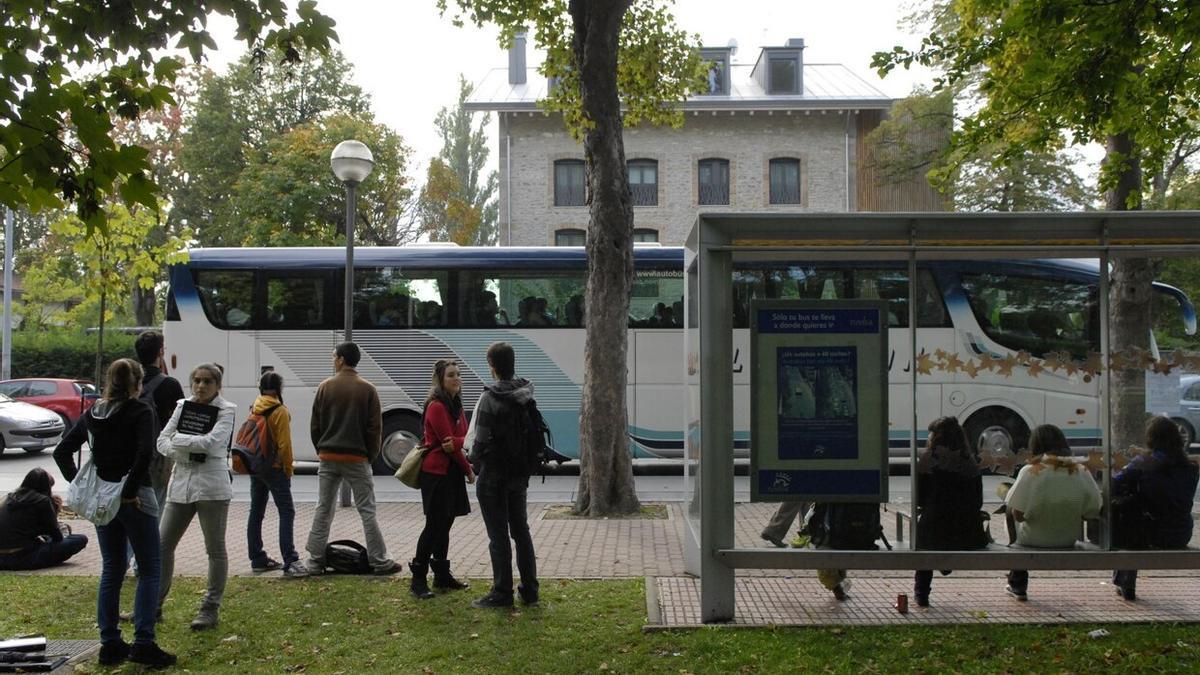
(347,557)
(528,444)
(850,527)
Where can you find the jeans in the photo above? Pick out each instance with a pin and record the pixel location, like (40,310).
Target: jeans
(358,476)
(175,521)
(504,515)
(136,526)
(46,554)
(278,485)
(160,478)
(781,520)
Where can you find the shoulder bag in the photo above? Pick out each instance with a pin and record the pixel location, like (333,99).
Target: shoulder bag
(91,496)
(409,472)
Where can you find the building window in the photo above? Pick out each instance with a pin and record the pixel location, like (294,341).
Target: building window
(713,178)
(784,74)
(785,181)
(718,72)
(643,182)
(569,184)
(645,235)
(570,237)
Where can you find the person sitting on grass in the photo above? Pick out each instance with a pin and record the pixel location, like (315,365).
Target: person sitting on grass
(30,535)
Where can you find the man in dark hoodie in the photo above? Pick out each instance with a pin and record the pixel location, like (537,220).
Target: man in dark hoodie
(502,485)
(30,538)
(162,392)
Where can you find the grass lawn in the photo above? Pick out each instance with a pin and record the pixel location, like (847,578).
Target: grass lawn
(356,625)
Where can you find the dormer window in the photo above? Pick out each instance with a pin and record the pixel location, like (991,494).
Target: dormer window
(783,74)
(717,78)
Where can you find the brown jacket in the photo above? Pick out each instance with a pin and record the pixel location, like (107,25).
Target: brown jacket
(346,418)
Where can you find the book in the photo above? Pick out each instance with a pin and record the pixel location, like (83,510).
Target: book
(197,419)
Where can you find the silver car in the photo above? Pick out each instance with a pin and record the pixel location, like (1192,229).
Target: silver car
(1188,417)
(27,426)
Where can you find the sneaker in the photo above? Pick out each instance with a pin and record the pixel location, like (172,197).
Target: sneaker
(388,568)
(113,653)
(1127,593)
(149,654)
(315,568)
(295,570)
(839,592)
(493,600)
(267,565)
(1018,593)
(207,616)
(774,541)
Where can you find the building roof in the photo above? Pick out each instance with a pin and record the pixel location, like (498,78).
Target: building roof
(826,86)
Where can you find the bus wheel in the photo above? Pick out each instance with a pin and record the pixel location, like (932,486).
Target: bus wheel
(1185,430)
(997,433)
(401,433)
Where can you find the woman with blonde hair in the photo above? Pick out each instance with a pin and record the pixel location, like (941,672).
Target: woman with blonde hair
(443,493)
(201,485)
(1050,499)
(119,429)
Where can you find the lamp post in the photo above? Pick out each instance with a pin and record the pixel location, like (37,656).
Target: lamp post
(352,163)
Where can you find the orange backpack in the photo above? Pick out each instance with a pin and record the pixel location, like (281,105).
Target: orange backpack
(254,451)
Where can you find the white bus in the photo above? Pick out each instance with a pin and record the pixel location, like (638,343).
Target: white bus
(979,325)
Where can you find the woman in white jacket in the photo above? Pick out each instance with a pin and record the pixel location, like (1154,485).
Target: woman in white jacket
(201,484)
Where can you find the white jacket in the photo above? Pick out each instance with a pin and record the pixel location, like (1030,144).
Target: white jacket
(199,481)
(1055,501)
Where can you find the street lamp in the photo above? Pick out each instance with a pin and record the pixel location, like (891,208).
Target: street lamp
(352,163)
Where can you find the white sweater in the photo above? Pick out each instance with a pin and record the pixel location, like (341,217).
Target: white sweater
(1054,502)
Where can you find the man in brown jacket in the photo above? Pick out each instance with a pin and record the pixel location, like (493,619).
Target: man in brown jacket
(346,428)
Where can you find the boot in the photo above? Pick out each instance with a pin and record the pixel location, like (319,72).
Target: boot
(442,577)
(420,588)
(206,617)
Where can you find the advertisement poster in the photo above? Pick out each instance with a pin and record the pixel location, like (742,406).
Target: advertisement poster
(818,400)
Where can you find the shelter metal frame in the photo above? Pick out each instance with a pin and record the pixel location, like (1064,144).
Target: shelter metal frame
(716,240)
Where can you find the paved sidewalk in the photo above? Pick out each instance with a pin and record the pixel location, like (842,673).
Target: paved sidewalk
(582,549)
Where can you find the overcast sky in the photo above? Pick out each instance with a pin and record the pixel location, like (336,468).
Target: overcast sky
(408,58)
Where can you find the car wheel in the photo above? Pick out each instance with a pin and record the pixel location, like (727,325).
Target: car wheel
(1185,430)
(401,433)
(997,433)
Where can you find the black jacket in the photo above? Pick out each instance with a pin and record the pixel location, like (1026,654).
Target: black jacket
(26,515)
(1166,491)
(950,496)
(493,414)
(166,395)
(123,437)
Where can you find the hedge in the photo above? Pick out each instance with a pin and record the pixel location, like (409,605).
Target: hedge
(65,354)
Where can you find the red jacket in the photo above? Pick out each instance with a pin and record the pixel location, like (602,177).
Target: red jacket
(438,426)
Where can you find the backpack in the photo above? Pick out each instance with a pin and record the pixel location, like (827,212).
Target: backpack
(851,527)
(345,556)
(254,451)
(147,395)
(528,445)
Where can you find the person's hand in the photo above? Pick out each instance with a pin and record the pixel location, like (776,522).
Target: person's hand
(57,503)
(448,445)
(470,477)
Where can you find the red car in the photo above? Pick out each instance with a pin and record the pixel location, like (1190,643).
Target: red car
(68,398)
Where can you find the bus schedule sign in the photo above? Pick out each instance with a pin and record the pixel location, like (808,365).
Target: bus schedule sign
(818,400)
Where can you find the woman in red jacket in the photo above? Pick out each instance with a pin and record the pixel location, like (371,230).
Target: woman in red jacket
(443,493)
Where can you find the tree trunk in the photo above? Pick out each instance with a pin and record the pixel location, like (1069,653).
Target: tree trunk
(144,302)
(100,337)
(606,471)
(1130,298)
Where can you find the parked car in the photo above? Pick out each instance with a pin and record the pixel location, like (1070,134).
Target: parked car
(28,427)
(1188,417)
(68,398)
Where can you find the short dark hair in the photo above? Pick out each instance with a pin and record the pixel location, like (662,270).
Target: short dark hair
(38,480)
(149,343)
(349,352)
(502,359)
(270,381)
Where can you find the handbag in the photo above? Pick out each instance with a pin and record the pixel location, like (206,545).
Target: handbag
(92,497)
(409,472)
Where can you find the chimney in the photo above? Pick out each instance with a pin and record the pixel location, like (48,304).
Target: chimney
(795,42)
(516,59)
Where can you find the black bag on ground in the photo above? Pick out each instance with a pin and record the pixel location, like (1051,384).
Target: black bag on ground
(851,526)
(345,556)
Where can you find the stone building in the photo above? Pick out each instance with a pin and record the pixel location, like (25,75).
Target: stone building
(775,135)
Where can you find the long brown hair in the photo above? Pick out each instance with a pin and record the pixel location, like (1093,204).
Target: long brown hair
(1049,447)
(437,389)
(123,378)
(1163,435)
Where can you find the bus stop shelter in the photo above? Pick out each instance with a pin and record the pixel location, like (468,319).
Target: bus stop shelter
(717,241)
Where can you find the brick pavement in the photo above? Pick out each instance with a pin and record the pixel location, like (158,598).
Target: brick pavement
(575,549)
